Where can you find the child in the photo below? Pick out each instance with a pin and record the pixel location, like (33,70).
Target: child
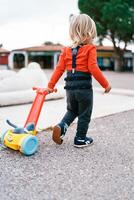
(80,62)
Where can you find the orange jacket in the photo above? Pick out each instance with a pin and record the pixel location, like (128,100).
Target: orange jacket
(86,62)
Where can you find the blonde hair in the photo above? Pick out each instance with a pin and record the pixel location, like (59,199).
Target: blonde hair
(82,28)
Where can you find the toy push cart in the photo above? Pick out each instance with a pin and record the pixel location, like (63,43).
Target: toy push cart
(24,139)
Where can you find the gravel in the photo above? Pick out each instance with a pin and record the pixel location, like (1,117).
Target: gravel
(104,171)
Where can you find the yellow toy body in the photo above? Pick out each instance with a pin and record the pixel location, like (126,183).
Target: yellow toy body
(34,132)
(12,140)
(24,142)
(23,138)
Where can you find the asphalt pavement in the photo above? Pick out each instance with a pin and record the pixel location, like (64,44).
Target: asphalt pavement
(121,80)
(103,171)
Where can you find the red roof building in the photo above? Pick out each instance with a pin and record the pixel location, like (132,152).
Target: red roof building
(41,48)
(47,56)
(4,56)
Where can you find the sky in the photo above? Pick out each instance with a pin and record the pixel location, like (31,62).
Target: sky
(25,23)
(32,22)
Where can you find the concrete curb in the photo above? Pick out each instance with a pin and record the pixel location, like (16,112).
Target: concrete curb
(116,91)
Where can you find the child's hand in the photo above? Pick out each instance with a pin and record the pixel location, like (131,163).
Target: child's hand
(49,90)
(107,90)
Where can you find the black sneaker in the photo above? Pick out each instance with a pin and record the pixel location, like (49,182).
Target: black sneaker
(59,132)
(79,142)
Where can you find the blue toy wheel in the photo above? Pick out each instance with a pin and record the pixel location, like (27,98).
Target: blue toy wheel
(29,145)
(2,136)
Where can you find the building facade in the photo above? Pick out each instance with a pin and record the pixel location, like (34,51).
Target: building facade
(4,57)
(47,56)
(106,59)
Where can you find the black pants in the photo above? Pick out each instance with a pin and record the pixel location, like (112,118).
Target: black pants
(79,104)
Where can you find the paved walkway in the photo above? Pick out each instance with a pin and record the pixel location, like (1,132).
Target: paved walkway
(53,111)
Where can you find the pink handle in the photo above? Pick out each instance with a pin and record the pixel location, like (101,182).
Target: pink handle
(43,90)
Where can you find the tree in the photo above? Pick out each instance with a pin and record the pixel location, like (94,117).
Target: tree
(114,20)
(48,43)
(51,43)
